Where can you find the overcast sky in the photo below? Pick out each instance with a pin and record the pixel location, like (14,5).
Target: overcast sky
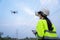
(25,20)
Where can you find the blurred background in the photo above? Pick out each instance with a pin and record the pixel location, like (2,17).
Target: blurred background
(17,17)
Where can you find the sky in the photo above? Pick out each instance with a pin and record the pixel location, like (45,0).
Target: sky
(24,21)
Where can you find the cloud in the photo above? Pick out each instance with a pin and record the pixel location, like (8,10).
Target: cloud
(18,21)
(49,2)
(26,9)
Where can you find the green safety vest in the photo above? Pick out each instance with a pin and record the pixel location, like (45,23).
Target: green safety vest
(42,29)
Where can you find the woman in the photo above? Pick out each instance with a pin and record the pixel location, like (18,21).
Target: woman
(44,28)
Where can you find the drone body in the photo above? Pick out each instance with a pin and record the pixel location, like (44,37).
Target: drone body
(14,12)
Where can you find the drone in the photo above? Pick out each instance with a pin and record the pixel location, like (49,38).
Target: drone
(14,12)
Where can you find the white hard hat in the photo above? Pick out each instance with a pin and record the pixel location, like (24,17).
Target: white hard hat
(45,12)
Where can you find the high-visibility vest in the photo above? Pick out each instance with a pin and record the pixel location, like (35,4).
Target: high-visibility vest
(42,29)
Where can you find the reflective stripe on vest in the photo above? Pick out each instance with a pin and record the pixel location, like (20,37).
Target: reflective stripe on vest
(49,31)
